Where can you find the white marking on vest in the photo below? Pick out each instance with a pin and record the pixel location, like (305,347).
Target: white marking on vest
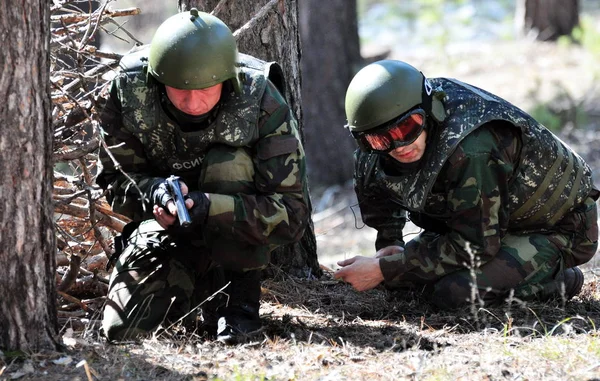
(187,164)
(428,87)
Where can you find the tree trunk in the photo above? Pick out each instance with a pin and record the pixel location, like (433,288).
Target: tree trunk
(331,56)
(270,32)
(548,19)
(27,250)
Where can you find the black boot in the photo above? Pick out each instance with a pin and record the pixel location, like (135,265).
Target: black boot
(566,285)
(240,318)
(573,279)
(207,301)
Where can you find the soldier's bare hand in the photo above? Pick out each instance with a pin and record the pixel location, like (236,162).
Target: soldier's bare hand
(389,250)
(164,218)
(362,273)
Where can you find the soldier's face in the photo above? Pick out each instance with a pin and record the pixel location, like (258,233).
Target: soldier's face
(412,152)
(195,102)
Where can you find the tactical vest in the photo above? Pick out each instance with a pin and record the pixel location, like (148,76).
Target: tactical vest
(172,150)
(551,178)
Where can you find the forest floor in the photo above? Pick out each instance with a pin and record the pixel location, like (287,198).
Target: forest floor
(320,329)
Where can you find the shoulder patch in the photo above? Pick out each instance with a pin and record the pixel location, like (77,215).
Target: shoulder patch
(276,145)
(272,99)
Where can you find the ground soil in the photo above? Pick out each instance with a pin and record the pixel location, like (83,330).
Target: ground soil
(323,330)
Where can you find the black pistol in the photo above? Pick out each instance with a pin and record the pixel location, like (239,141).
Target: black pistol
(178,199)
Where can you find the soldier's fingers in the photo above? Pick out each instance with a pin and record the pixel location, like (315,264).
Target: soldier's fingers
(339,274)
(162,217)
(346,262)
(165,219)
(156,215)
(189,203)
(168,219)
(171,207)
(162,214)
(184,188)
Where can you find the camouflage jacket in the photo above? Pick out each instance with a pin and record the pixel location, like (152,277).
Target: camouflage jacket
(262,201)
(475,183)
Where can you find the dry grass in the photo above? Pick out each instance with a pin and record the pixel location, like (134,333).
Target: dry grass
(323,330)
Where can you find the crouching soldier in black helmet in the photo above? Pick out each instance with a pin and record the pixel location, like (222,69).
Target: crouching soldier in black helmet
(494,191)
(189,105)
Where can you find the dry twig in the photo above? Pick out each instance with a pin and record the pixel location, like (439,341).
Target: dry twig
(84,222)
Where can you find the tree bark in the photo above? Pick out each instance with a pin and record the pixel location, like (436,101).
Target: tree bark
(548,19)
(331,56)
(27,244)
(268,29)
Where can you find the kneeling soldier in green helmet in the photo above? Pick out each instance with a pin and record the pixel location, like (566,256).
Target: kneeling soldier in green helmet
(190,105)
(506,208)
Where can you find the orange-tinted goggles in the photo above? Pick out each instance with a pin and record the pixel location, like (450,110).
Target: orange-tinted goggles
(401,132)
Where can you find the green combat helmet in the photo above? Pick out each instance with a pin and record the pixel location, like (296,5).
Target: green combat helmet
(386,89)
(193,50)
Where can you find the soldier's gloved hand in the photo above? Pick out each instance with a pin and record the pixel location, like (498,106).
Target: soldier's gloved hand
(198,211)
(161,195)
(164,209)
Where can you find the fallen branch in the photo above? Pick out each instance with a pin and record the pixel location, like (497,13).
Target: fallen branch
(73,299)
(84,212)
(71,275)
(78,17)
(88,286)
(76,152)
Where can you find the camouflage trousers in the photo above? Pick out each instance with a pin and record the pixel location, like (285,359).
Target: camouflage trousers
(157,280)
(528,266)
